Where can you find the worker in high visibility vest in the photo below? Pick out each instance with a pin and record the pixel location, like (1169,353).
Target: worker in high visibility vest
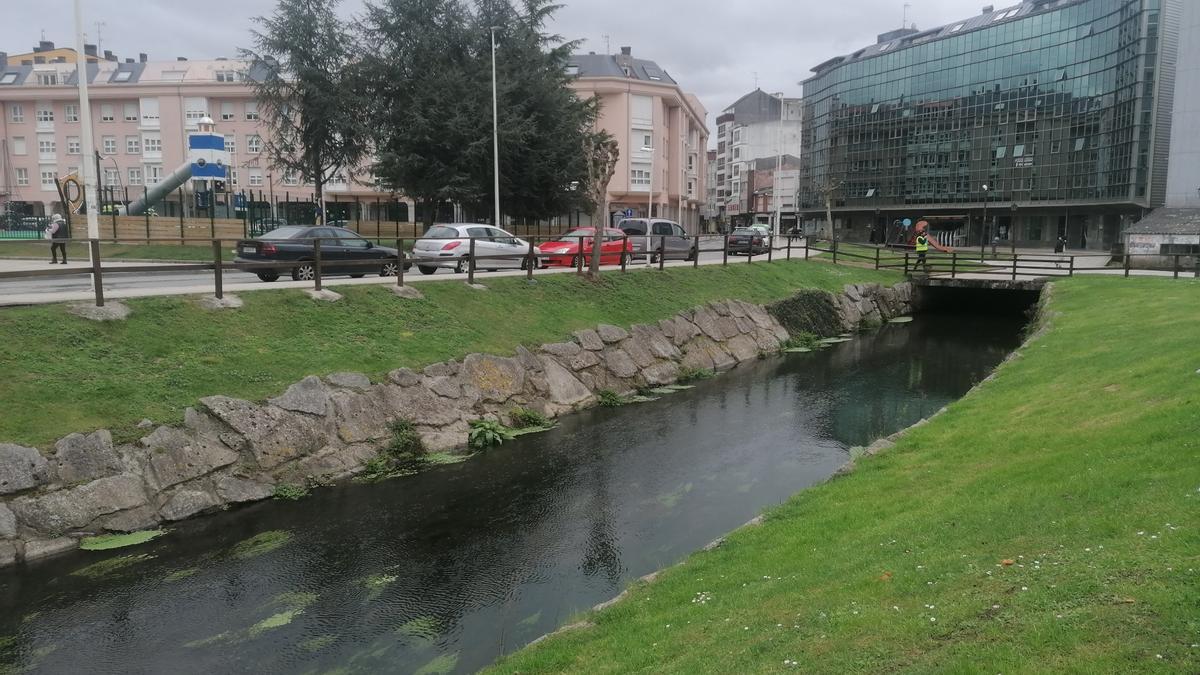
(924,241)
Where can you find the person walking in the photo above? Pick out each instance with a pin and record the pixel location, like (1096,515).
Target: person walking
(922,243)
(57,233)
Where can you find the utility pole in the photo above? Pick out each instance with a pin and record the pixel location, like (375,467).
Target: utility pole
(776,192)
(495,134)
(85,124)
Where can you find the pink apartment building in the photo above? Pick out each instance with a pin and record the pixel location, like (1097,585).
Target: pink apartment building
(661,131)
(142,112)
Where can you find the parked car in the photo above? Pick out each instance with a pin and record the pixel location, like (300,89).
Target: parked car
(749,240)
(666,238)
(292,247)
(564,251)
(450,246)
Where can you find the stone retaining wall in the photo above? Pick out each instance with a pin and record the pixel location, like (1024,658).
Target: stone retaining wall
(229,451)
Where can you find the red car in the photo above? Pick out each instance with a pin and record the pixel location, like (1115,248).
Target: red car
(564,251)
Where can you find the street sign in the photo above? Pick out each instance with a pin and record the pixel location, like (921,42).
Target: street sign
(907,222)
(628,213)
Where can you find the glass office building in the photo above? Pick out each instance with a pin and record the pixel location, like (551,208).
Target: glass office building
(1062,108)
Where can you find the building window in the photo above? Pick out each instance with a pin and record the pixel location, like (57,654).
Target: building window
(151,143)
(251,110)
(48,179)
(230,143)
(149,111)
(46,146)
(639,175)
(22,177)
(133,145)
(131,112)
(71,112)
(45,115)
(154,174)
(256,178)
(47,79)
(111,177)
(1179,249)
(233,177)
(16,113)
(227,76)
(134,176)
(227,111)
(254,144)
(108,145)
(18,145)
(8,78)
(72,145)
(106,113)
(291,178)
(123,76)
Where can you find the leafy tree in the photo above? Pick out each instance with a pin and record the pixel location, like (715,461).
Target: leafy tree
(304,77)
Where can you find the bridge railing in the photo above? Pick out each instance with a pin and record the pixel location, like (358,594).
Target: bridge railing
(1041,265)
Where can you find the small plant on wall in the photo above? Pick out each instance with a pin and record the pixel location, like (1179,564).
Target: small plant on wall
(487,433)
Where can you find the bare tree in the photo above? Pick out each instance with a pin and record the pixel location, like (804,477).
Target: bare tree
(827,189)
(602,154)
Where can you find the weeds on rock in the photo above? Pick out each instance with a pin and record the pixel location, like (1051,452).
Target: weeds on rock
(688,374)
(805,340)
(406,442)
(610,399)
(290,491)
(524,418)
(487,433)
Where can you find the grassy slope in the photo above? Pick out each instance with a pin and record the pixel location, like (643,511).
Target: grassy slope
(63,373)
(1080,462)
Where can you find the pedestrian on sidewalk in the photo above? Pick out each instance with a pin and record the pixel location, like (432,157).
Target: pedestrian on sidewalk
(57,233)
(922,243)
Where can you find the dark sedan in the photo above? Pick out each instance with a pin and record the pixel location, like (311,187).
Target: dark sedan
(748,240)
(342,252)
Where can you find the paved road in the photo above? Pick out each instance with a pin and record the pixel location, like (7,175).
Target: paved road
(38,290)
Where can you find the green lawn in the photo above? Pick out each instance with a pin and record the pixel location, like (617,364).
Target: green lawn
(64,373)
(1048,522)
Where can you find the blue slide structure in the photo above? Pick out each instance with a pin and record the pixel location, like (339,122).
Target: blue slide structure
(207,160)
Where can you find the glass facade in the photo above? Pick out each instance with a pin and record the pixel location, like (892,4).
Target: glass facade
(1051,104)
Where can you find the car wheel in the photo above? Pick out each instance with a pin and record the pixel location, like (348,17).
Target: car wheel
(268,276)
(426,269)
(389,269)
(303,272)
(654,257)
(461,265)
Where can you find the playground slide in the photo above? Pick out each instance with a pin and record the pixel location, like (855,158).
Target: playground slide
(161,189)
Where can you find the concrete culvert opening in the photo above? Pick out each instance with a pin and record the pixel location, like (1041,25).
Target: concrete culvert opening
(970,296)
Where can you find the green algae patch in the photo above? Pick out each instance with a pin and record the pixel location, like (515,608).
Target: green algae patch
(530,620)
(377,582)
(106,542)
(439,458)
(7,641)
(671,499)
(901,319)
(220,637)
(425,628)
(178,575)
(110,566)
(274,621)
(318,643)
(798,350)
(261,543)
(440,665)
(293,600)
(532,430)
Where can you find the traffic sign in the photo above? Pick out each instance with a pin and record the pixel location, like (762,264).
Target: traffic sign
(907,222)
(628,213)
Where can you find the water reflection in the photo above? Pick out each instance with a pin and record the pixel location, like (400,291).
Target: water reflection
(450,569)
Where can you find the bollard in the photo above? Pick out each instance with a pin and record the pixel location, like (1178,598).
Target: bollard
(97,273)
(317,263)
(471,262)
(218,284)
(400,257)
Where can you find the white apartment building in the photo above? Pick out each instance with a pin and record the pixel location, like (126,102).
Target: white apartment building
(758,126)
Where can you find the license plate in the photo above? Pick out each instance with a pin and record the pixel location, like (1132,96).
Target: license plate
(249,249)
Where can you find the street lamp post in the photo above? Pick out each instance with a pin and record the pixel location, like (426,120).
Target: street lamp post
(649,201)
(775,191)
(85,114)
(495,134)
(1012,231)
(983,228)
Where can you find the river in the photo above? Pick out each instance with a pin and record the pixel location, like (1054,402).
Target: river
(446,570)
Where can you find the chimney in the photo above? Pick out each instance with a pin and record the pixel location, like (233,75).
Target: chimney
(181,58)
(626,51)
(128,60)
(142,57)
(89,50)
(45,46)
(625,61)
(987,9)
(109,56)
(3,60)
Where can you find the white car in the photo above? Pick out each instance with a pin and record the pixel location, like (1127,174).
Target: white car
(450,246)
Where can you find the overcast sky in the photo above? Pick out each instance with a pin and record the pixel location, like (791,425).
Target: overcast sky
(713,49)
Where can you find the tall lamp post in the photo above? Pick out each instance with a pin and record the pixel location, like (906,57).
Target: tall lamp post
(983,228)
(1012,231)
(495,134)
(649,202)
(85,112)
(775,191)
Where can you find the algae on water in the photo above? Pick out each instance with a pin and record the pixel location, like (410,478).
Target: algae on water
(263,542)
(440,665)
(105,542)
(109,566)
(425,627)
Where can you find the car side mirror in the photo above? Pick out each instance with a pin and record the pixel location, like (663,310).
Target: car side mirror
(370,244)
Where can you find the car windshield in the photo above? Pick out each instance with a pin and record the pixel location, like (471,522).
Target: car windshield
(574,235)
(283,233)
(745,230)
(442,232)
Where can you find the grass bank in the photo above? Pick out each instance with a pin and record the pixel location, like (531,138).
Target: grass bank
(63,373)
(1045,523)
(79,252)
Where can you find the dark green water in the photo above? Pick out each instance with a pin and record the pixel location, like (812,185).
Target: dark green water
(445,571)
